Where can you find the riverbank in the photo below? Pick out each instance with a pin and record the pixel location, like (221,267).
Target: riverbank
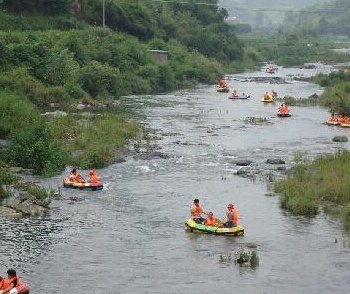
(20,198)
(324,183)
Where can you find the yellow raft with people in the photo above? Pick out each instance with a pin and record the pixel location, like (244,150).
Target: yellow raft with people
(82,186)
(219,230)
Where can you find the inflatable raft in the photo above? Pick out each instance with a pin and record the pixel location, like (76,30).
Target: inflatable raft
(199,228)
(345,125)
(223,90)
(20,289)
(283,114)
(82,186)
(268,100)
(239,97)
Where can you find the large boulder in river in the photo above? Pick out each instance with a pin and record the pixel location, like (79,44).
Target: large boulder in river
(340,139)
(275,161)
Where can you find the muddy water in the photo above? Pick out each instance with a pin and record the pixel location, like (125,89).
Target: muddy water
(130,237)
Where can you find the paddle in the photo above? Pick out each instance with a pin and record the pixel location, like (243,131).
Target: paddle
(82,179)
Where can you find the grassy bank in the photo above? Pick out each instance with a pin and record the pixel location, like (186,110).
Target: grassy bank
(48,144)
(337,90)
(323,183)
(7,177)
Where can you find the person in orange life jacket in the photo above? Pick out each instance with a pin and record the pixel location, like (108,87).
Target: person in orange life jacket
(197,211)
(231,217)
(222,83)
(75,177)
(234,93)
(11,282)
(210,220)
(93,178)
(266,96)
(283,109)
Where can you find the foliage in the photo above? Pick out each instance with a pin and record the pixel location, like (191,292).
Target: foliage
(336,95)
(331,18)
(36,191)
(34,148)
(93,141)
(6,176)
(241,257)
(55,54)
(15,113)
(323,181)
(291,49)
(37,6)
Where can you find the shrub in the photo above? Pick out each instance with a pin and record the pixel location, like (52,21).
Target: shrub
(15,113)
(101,80)
(33,148)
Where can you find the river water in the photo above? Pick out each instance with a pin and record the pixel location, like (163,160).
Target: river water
(130,237)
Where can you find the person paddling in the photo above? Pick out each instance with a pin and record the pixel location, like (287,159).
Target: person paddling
(93,178)
(11,282)
(75,176)
(231,217)
(197,211)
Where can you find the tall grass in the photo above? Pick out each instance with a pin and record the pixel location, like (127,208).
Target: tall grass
(324,182)
(93,141)
(15,113)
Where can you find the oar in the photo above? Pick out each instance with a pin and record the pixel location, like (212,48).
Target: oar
(82,179)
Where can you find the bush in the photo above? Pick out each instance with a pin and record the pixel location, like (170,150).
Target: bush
(102,80)
(6,176)
(16,113)
(33,148)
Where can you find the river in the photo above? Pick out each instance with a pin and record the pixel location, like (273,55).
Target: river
(130,237)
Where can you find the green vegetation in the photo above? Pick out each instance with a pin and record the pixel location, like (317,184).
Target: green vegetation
(325,182)
(328,18)
(291,50)
(337,93)
(56,55)
(265,15)
(242,257)
(6,178)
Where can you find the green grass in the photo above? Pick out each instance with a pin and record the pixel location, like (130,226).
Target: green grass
(324,182)
(93,141)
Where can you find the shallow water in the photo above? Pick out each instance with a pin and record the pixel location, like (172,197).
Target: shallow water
(130,237)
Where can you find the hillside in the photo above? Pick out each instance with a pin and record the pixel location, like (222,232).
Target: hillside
(56,55)
(264,13)
(332,18)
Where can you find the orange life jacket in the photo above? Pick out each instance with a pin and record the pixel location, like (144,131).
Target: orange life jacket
(283,110)
(7,282)
(94,179)
(232,216)
(210,221)
(196,210)
(222,84)
(76,178)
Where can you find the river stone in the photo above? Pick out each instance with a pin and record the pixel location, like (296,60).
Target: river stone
(9,212)
(314,96)
(275,161)
(243,162)
(340,139)
(24,203)
(119,159)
